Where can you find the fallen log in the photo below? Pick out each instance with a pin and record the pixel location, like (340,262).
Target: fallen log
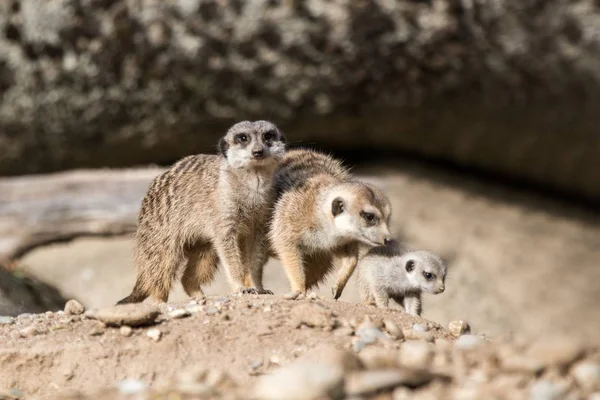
(40,209)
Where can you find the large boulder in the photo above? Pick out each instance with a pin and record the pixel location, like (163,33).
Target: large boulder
(505,86)
(20,293)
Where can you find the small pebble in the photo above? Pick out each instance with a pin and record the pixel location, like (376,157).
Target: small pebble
(458,328)
(154,334)
(211,310)
(468,342)
(256,365)
(29,332)
(559,352)
(393,329)
(5,320)
(587,375)
(267,309)
(73,307)
(194,308)
(343,331)
(179,313)
(547,390)
(416,354)
(131,386)
(96,331)
(420,328)
(126,331)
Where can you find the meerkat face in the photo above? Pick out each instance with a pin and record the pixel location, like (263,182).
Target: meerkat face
(250,144)
(425,270)
(360,212)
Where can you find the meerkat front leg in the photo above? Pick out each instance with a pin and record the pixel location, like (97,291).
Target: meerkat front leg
(258,257)
(230,255)
(412,304)
(346,264)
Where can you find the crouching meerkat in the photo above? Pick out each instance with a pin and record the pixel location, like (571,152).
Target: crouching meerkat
(206,210)
(399,273)
(321,218)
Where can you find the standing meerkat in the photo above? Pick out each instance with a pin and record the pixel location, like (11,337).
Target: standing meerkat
(206,210)
(399,273)
(321,218)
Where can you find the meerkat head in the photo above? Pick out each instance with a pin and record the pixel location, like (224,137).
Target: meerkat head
(424,270)
(359,212)
(250,144)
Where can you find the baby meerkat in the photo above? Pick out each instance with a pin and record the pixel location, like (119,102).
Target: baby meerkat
(321,218)
(399,273)
(206,210)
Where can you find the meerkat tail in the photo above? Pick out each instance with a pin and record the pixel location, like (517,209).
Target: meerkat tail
(137,295)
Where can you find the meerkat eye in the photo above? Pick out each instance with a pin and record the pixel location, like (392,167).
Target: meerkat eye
(270,135)
(429,276)
(242,138)
(410,265)
(369,217)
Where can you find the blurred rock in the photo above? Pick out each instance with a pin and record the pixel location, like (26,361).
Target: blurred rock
(301,381)
(131,82)
(125,314)
(587,375)
(458,328)
(73,307)
(20,293)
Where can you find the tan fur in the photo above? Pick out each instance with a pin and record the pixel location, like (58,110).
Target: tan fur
(206,210)
(305,235)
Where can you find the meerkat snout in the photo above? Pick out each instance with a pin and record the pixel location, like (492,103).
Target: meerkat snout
(252,145)
(361,212)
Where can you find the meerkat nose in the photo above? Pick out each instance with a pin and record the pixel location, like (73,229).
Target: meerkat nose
(258,153)
(387,241)
(441,290)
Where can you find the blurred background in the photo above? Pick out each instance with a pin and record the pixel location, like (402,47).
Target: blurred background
(479,118)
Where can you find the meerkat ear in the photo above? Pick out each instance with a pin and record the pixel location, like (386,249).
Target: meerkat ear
(410,265)
(223,146)
(337,206)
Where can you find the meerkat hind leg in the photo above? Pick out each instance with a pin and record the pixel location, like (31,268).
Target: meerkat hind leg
(201,268)
(294,268)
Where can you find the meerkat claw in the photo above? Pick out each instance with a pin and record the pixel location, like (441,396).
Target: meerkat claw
(336,292)
(248,291)
(265,291)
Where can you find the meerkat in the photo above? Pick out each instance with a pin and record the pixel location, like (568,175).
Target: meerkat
(399,273)
(321,219)
(208,210)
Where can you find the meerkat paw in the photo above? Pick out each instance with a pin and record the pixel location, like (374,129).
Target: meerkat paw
(293,295)
(248,290)
(265,291)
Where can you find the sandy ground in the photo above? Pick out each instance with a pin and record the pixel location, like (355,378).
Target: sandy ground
(229,334)
(519,264)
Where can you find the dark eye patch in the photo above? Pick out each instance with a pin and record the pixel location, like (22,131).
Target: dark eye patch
(241,138)
(369,217)
(429,276)
(269,135)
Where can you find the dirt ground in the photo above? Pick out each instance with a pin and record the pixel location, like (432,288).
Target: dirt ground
(229,334)
(519,264)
